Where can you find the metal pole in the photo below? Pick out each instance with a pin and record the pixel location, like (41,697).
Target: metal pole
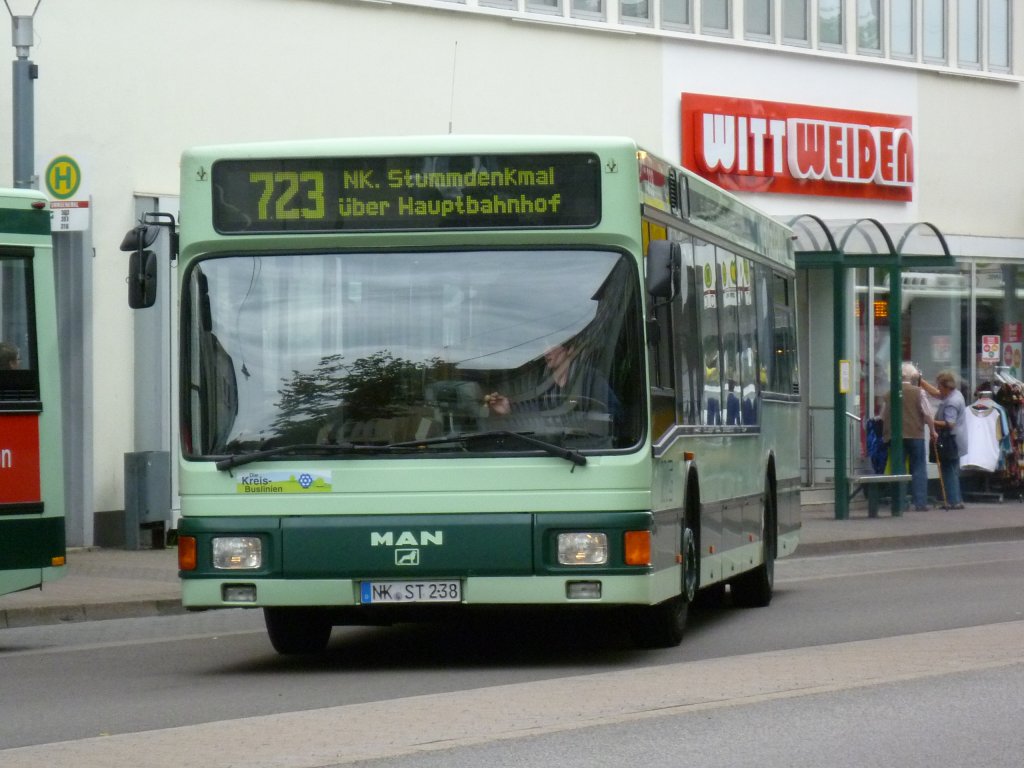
(24,73)
(839,439)
(897,458)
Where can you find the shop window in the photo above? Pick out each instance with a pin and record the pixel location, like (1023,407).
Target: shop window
(869,26)
(902,28)
(968,50)
(795,24)
(933,28)
(757,19)
(830,23)
(677,14)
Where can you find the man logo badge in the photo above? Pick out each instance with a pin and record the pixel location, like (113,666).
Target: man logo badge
(407,557)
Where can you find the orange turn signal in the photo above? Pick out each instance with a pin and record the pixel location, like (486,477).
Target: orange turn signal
(638,547)
(58,561)
(187,553)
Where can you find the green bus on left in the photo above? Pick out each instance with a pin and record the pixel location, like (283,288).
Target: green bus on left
(32,543)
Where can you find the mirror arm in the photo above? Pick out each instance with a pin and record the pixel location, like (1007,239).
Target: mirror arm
(160,219)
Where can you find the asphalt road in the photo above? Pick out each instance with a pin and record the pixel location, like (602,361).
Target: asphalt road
(923,621)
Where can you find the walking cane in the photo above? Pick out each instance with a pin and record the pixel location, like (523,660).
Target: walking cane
(942,483)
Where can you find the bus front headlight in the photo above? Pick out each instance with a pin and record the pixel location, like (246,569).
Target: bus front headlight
(582,548)
(235,553)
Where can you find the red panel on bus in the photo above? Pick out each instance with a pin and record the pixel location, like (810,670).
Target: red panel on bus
(19,458)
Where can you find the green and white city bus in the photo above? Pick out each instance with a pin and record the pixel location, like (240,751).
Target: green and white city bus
(32,543)
(420,375)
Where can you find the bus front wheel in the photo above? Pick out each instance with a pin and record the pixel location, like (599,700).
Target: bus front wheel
(297,630)
(662,625)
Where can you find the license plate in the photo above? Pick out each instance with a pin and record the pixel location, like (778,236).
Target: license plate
(410,592)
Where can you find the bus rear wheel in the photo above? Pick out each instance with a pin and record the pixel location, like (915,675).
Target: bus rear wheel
(754,589)
(295,631)
(663,625)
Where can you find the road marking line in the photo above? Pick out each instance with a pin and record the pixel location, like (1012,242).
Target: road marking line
(348,733)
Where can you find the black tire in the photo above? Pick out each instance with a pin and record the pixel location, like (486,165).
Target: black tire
(754,589)
(295,631)
(710,598)
(663,625)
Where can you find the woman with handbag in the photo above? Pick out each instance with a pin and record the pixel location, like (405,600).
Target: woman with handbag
(950,445)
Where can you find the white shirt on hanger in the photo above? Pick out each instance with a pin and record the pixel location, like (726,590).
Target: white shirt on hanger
(981,423)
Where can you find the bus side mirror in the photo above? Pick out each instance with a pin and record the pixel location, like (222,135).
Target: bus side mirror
(141,279)
(142,270)
(662,260)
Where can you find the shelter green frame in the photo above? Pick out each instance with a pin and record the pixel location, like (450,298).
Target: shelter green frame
(844,245)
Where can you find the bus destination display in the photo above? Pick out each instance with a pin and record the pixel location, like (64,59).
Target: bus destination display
(384,193)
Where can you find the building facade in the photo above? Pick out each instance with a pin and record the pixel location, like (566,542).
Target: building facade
(919,102)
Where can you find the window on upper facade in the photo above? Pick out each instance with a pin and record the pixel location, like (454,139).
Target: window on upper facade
(757,19)
(795,26)
(715,16)
(902,29)
(677,13)
(830,23)
(588,9)
(544,6)
(869,26)
(968,49)
(635,10)
(933,28)
(999,35)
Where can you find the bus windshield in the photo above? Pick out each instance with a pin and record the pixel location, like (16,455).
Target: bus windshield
(380,349)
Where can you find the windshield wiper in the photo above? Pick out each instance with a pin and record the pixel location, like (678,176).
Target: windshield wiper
(568,454)
(317,449)
(340,449)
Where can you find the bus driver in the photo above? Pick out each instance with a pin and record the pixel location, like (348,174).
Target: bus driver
(569,384)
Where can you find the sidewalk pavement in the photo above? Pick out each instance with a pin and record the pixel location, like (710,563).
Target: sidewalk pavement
(115,583)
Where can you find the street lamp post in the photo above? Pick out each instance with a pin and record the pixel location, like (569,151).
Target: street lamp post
(25,72)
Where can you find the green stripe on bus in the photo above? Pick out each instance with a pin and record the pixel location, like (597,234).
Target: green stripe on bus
(30,543)
(25,222)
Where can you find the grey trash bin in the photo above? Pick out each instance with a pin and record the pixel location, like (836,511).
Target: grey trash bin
(147,497)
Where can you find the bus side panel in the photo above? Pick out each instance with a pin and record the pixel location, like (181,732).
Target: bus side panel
(781,427)
(28,547)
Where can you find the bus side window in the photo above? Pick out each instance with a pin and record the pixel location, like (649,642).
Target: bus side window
(709,286)
(662,367)
(766,374)
(746,335)
(19,377)
(728,318)
(691,369)
(784,336)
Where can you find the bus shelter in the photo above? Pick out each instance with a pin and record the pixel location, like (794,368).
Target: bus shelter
(842,246)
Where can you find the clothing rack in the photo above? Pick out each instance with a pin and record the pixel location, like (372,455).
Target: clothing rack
(1006,393)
